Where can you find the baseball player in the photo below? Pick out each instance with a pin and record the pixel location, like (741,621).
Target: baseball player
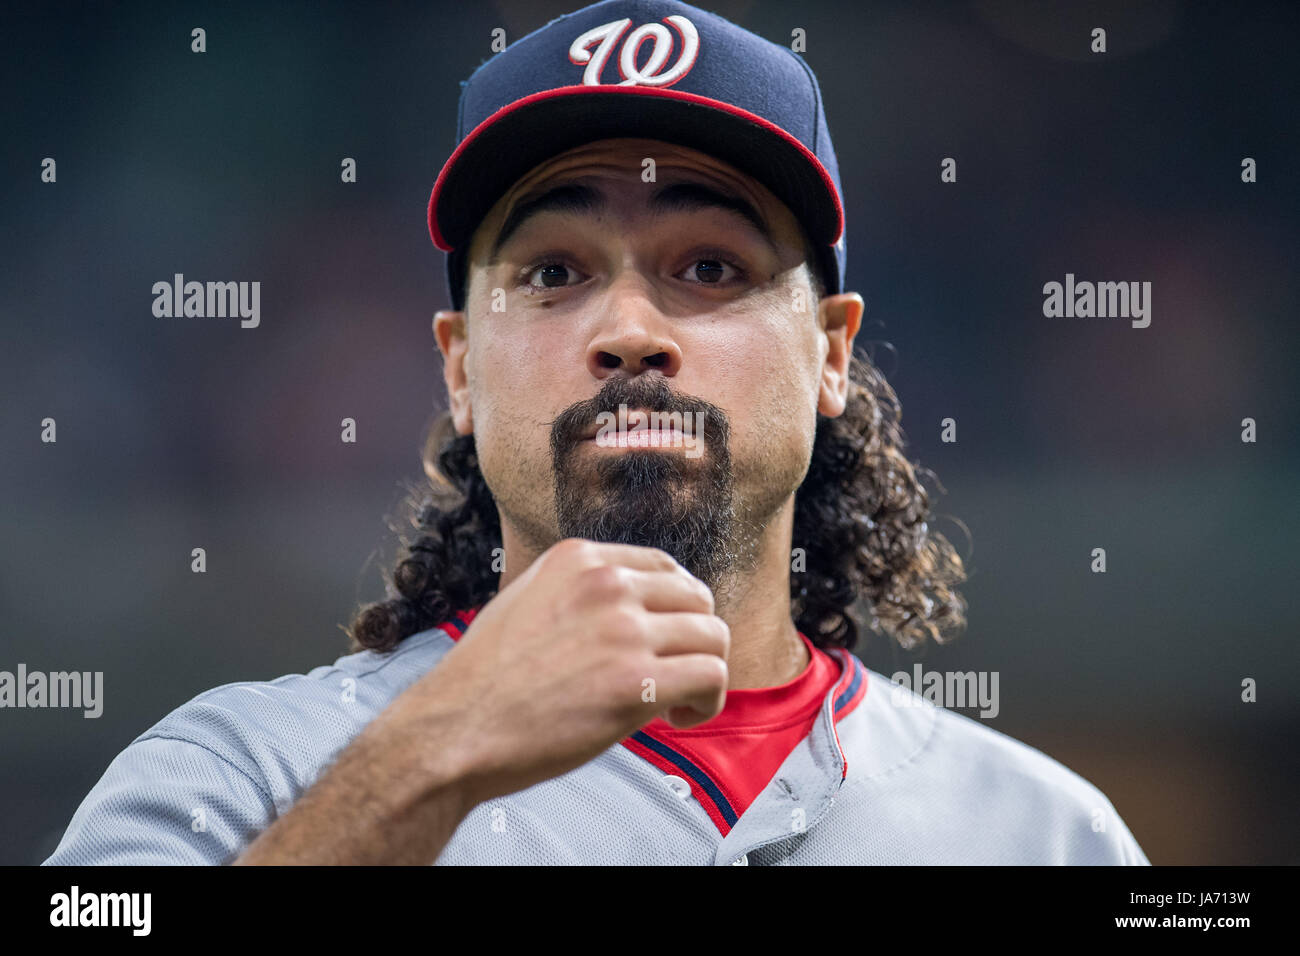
(664,501)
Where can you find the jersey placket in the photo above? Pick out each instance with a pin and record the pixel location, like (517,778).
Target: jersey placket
(799,794)
(803,789)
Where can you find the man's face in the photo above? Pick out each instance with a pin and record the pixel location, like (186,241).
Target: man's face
(588,288)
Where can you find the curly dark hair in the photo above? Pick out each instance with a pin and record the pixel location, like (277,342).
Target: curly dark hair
(862,519)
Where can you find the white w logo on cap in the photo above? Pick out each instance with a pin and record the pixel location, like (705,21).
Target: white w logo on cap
(609,34)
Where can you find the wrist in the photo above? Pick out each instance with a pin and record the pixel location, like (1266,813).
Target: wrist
(435,766)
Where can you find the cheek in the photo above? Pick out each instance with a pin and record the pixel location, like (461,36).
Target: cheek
(760,368)
(777,442)
(512,387)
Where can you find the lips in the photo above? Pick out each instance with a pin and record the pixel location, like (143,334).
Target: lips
(643,438)
(642,424)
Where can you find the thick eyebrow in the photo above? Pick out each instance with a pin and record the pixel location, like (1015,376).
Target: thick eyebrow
(690,196)
(571,197)
(674,197)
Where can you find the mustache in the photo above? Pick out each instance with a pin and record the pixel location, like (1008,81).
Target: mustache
(653,393)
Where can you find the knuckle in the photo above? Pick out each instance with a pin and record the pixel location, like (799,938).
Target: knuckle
(569,549)
(716,673)
(604,582)
(724,633)
(708,597)
(631,672)
(625,623)
(664,561)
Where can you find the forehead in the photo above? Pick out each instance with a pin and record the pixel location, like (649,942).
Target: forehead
(627,158)
(613,164)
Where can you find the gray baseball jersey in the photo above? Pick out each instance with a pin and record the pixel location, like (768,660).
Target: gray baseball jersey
(882,777)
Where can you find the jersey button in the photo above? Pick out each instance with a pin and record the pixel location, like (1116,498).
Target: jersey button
(743,861)
(677,785)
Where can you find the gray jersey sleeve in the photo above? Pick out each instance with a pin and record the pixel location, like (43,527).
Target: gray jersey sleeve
(1126,851)
(166,800)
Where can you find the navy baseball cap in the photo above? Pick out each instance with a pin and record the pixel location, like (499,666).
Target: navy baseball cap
(653,69)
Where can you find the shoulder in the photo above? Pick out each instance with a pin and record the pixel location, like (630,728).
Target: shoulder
(290,725)
(202,782)
(971,779)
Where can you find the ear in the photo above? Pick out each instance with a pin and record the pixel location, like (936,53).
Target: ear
(840,317)
(449,330)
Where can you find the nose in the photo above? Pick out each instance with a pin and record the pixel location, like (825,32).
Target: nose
(633,335)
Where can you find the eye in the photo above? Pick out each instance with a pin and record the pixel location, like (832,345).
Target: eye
(552,275)
(711,270)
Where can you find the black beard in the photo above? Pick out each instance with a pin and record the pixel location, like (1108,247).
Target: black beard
(655,499)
